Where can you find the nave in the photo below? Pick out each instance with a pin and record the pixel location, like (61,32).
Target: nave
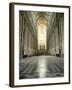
(41,44)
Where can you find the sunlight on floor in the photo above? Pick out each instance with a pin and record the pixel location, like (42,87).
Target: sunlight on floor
(42,68)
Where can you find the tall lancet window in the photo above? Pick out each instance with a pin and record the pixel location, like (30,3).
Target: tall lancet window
(42,32)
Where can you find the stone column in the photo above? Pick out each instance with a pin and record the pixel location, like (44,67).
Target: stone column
(20,32)
(57,18)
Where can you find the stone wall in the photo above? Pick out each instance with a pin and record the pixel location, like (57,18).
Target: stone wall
(56,35)
(27,35)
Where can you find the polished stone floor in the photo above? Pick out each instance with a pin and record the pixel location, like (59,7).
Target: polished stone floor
(41,67)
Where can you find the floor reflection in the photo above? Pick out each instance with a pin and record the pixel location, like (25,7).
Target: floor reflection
(42,67)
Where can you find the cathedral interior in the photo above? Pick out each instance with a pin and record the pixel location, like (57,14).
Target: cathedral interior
(41,44)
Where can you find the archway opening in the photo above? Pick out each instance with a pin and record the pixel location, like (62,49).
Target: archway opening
(42,33)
